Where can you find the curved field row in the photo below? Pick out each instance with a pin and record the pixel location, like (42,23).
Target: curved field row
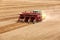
(12,27)
(6,19)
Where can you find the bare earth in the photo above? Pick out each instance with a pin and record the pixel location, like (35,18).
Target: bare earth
(48,29)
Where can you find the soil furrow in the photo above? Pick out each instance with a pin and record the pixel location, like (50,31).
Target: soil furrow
(6,19)
(12,27)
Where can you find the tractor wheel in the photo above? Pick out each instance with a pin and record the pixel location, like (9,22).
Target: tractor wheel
(23,20)
(28,20)
(34,21)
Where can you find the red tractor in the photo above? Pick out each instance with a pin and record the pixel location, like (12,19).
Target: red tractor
(33,17)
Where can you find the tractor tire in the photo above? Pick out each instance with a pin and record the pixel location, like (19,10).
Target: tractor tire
(28,20)
(34,21)
(23,20)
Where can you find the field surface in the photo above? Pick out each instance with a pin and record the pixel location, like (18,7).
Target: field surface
(48,29)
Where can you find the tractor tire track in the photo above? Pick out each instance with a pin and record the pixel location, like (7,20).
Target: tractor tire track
(12,27)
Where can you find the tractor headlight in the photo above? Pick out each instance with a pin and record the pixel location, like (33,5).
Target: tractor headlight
(43,15)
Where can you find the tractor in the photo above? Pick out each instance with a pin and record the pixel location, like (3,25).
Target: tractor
(33,17)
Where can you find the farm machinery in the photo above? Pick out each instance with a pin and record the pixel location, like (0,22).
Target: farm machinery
(34,16)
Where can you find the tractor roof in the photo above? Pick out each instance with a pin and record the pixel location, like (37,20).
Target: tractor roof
(38,11)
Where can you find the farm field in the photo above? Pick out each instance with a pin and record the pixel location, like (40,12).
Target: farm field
(48,29)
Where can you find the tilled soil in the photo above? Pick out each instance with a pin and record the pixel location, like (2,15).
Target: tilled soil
(48,29)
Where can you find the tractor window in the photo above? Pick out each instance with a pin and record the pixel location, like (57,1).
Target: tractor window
(36,11)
